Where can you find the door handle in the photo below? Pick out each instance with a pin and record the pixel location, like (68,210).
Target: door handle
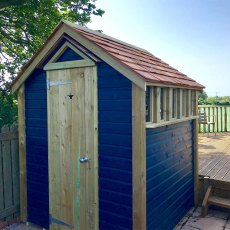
(83,160)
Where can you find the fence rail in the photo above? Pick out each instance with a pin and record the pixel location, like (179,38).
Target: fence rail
(220,115)
(9,173)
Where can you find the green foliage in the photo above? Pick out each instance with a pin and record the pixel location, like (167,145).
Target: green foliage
(25,24)
(214,101)
(203,95)
(8,108)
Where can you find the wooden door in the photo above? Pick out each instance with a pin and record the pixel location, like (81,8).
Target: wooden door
(72,133)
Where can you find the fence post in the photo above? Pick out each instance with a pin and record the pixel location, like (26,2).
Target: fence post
(15,168)
(7,171)
(225,119)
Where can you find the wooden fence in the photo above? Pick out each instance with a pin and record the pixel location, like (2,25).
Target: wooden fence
(220,115)
(9,173)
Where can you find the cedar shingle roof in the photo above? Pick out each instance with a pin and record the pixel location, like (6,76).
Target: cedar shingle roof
(145,64)
(136,61)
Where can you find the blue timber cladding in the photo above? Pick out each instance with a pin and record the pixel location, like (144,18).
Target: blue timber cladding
(69,55)
(115,149)
(37,149)
(170,184)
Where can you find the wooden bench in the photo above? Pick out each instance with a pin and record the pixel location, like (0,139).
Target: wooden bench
(218,194)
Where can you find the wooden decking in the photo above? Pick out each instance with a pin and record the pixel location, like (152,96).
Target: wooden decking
(214,156)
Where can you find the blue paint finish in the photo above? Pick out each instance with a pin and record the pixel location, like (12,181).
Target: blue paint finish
(37,149)
(170,178)
(69,55)
(115,149)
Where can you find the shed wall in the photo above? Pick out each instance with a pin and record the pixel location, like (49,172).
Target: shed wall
(170,177)
(115,149)
(37,149)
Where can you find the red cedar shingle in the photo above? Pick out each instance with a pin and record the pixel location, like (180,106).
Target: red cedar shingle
(146,65)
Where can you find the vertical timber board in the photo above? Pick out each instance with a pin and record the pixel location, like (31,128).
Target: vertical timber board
(66,169)
(169,104)
(76,151)
(15,168)
(225,120)
(196,131)
(78,125)
(84,135)
(164,103)
(188,104)
(91,147)
(221,119)
(7,171)
(22,153)
(217,119)
(138,158)
(179,103)
(209,118)
(53,146)
(59,133)
(151,104)
(156,104)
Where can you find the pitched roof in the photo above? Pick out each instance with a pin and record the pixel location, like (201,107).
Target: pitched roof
(139,61)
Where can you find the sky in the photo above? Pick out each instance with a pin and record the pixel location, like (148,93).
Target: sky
(193,36)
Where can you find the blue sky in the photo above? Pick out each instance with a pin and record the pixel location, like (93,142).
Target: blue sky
(190,35)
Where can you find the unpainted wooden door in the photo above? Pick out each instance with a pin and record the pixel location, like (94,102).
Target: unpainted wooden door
(72,144)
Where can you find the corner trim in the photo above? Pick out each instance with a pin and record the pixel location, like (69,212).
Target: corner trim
(138,158)
(22,153)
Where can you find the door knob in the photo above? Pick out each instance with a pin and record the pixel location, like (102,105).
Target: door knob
(83,159)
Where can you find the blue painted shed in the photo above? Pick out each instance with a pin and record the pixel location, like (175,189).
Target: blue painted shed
(108,135)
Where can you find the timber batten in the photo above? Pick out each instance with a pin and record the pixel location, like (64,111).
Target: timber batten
(69,65)
(22,153)
(139,158)
(196,131)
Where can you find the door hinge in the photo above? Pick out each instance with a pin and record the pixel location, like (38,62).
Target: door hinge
(57,83)
(53,220)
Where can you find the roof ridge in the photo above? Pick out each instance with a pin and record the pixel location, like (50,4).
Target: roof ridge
(85,29)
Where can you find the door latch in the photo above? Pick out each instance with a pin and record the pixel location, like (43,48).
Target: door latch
(70,96)
(83,159)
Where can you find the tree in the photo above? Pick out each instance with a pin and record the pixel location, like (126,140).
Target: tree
(203,95)
(25,24)
(8,108)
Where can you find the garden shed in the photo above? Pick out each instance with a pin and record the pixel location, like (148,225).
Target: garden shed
(108,135)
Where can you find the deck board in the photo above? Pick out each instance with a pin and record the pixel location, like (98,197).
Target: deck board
(214,156)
